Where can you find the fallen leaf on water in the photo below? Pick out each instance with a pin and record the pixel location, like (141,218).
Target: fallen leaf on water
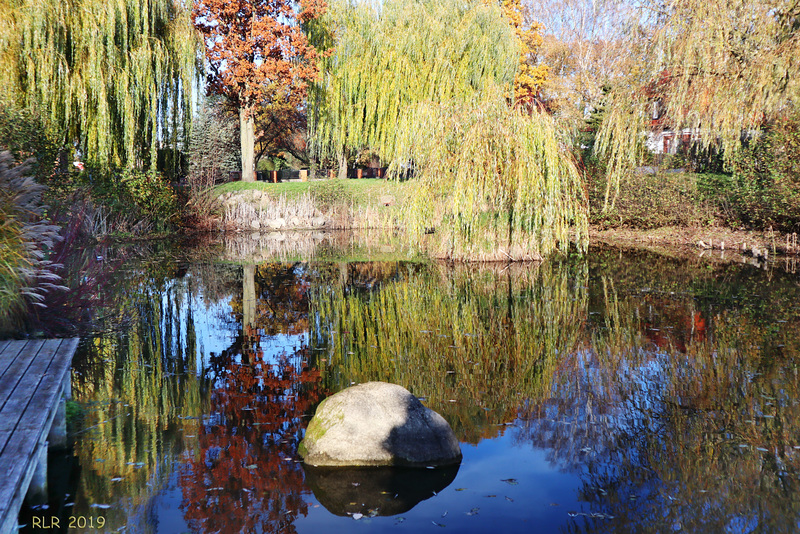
(473,511)
(509,499)
(437,524)
(461,489)
(512,481)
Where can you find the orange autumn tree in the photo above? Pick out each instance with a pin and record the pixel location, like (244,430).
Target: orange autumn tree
(257,55)
(530,74)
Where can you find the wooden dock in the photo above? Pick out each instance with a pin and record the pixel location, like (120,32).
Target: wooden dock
(34,381)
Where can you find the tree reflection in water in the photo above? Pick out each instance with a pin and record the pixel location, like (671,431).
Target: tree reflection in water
(693,428)
(671,392)
(670,388)
(244,475)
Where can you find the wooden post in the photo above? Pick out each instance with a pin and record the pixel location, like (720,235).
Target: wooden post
(57,438)
(274,177)
(303,175)
(37,489)
(358,173)
(330,173)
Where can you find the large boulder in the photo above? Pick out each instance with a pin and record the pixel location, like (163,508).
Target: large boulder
(378,424)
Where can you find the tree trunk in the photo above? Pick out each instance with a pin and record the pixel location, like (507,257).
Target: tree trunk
(342,166)
(247,137)
(249,330)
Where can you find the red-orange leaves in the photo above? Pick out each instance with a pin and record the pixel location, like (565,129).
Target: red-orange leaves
(256,50)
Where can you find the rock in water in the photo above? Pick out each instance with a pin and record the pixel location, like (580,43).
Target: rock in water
(378,424)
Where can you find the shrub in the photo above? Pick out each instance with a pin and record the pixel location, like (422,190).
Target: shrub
(764,189)
(652,200)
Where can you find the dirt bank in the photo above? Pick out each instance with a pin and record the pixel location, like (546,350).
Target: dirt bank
(718,243)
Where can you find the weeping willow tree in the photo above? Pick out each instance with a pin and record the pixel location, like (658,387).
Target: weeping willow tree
(114,77)
(426,85)
(719,69)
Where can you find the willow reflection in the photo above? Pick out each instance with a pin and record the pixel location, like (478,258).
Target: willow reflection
(682,413)
(475,342)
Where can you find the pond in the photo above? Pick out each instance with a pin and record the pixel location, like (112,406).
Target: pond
(614,392)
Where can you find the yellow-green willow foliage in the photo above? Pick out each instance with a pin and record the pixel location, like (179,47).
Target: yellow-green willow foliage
(426,85)
(722,68)
(387,59)
(115,77)
(496,184)
(475,342)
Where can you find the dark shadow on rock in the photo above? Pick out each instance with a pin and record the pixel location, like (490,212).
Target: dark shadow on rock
(376,490)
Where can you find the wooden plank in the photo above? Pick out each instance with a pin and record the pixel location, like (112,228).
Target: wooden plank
(9,355)
(25,392)
(18,473)
(63,363)
(17,370)
(26,417)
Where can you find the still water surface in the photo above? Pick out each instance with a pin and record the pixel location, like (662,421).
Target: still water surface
(617,392)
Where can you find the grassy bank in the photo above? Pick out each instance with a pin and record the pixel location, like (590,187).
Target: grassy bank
(332,204)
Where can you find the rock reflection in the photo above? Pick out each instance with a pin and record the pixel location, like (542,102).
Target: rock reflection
(376,491)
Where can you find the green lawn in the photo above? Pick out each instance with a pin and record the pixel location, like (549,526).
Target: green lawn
(360,192)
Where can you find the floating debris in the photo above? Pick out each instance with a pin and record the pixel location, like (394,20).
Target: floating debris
(101,506)
(593,515)
(438,524)
(473,511)
(512,481)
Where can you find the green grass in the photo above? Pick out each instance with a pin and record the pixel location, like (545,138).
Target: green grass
(363,191)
